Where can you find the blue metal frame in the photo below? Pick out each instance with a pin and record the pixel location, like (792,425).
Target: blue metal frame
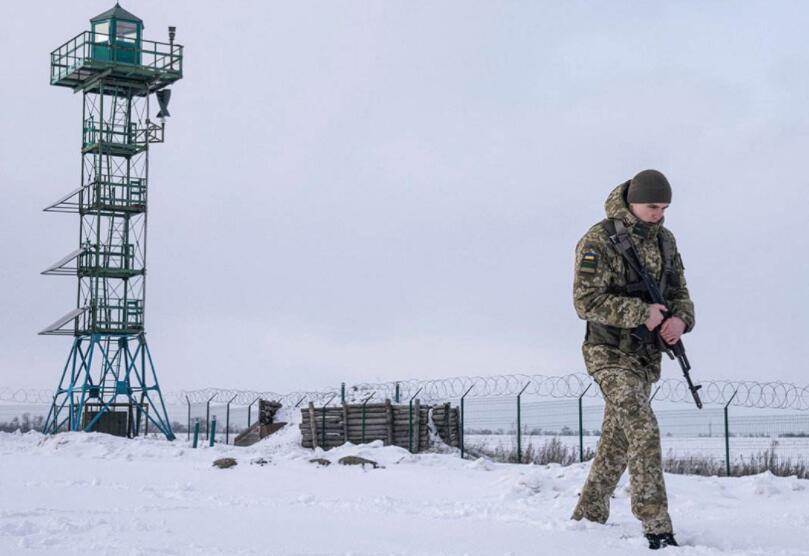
(107,383)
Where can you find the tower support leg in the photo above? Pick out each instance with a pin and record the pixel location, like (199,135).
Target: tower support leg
(104,374)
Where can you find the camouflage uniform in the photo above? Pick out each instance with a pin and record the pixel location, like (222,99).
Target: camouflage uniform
(623,368)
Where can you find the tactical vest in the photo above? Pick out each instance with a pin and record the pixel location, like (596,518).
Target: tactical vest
(621,338)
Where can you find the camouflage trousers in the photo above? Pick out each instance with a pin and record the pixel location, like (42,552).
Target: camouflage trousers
(629,436)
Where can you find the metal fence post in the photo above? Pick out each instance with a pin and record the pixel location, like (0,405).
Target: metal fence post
(342,392)
(410,421)
(519,423)
(196,432)
(460,436)
(727,435)
(208,417)
(227,419)
(213,431)
(363,415)
(581,424)
(189,417)
(396,397)
(323,432)
(250,410)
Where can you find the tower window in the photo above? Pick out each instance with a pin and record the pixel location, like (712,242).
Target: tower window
(102,32)
(127,31)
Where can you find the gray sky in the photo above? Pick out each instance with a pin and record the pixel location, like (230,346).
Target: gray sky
(356,191)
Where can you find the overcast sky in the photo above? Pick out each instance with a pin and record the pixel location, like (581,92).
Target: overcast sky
(356,191)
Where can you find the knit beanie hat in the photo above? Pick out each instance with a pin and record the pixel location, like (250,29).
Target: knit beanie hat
(649,186)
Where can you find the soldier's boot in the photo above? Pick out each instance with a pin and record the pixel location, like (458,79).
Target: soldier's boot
(661,540)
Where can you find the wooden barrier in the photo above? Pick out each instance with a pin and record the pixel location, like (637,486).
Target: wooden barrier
(392,424)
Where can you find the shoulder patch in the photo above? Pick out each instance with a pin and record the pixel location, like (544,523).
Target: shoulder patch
(589,262)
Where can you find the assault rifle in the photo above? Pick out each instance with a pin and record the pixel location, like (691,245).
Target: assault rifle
(625,247)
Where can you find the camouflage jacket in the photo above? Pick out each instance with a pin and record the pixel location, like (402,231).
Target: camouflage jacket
(601,297)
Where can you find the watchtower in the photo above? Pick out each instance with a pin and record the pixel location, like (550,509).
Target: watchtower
(109,381)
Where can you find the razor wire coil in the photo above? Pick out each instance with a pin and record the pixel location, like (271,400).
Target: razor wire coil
(749,394)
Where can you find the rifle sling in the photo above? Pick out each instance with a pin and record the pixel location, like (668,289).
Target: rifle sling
(619,237)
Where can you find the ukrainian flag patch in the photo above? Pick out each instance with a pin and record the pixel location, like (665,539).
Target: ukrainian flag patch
(589,262)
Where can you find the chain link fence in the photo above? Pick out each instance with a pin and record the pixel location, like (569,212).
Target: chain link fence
(745,426)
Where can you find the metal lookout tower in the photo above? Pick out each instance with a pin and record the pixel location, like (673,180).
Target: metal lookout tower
(109,382)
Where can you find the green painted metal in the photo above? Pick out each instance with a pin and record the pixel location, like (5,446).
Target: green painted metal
(117,12)
(123,377)
(227,419)
(188,402)
(460,439)
(323,421)
(581,424)
(727,435)
(208,417)
(196,432)
(117,36)
(249,411)
(110,363)
(410,420)
(363,423)
(323,428)
(212,438)
(364,403)
(519,423)
(84,62)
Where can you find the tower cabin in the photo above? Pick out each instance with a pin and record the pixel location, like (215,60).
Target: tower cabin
(116,36)
(114,51)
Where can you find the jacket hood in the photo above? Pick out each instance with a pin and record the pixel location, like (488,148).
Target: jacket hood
(616,207)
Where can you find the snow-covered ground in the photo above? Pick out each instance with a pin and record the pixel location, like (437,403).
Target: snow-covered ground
(92,493)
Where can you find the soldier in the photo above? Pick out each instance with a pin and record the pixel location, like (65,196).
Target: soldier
(608,294)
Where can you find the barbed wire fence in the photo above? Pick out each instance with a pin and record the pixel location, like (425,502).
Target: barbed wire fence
(760,395)
(750,394)
(514,417)
(523,417)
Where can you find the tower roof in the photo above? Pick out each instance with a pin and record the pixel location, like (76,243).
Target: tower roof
(117,12)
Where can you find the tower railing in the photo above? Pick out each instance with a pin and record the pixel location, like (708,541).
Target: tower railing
(114,133)
(115,193)
(103,260)
(106,193)
(115,316)
(88,49)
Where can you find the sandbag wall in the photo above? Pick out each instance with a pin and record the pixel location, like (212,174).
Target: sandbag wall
(392,424)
